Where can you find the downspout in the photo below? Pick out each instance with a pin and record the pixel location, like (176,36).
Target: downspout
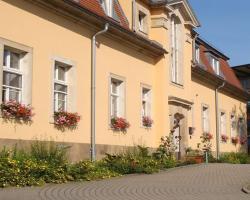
(93,89)
(217,120)
(133,15)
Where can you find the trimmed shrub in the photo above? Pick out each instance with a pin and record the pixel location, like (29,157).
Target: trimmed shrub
(235,158)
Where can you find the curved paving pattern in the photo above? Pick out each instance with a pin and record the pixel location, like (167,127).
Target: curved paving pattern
(200,182)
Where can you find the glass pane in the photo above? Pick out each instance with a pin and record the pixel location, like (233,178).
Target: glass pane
(14,95)
(11,79)
(4,94)
(143,108)
(5,55)
(114,87)
(61,88)
(61,105)
(14,60)
(60,72)
(61,97)
(114,106)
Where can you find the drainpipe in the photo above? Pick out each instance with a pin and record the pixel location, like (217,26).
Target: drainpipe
(133,15)
(217,120)
(93,88)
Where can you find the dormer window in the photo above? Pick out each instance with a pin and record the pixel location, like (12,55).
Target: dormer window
(108,6)
(197,53)
(142,23)
(216,65)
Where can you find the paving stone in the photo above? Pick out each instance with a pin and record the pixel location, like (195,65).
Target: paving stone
(199,182)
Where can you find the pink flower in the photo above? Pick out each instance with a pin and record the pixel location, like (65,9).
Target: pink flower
(147,121)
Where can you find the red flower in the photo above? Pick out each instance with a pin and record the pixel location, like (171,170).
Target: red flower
(224,138)
(16,111)
(235,140)
(119,124)
(147,121)
(64,119)
(243,140)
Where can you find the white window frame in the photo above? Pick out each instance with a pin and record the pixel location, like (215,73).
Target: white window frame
(223,123)
(60,82)
(215,65)
(175,51)
(205,118)
(25,68)
(117,96)
(197,53)
(142,21)
(7,68)
(147,100)
(120,95)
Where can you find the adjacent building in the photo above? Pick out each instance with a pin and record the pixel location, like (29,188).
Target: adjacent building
(150,64)
(243,73)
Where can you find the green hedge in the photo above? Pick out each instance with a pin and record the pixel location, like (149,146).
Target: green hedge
(47,162)
(235,158)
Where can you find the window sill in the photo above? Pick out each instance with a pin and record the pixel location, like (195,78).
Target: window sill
(142,33)
(177,85)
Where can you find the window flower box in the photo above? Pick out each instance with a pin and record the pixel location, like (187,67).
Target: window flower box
(235,140)
(243,140)
(13,110)
(64,120)
(207,137)
(224,138)
(147,122)
(119,124)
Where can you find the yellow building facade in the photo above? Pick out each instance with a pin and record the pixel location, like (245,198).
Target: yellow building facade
(145,67)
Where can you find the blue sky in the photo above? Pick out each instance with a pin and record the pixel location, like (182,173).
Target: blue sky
(226,25)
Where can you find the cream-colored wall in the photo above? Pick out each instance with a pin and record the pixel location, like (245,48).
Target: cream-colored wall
(50,36)
(205,95)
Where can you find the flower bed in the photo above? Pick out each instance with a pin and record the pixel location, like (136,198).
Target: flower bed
(147,122)
(13,110)
(64,119)
(119,124)
(224,138)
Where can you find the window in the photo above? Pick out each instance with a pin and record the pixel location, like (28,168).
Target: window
(233,125)
(116,98)
(146,102)
(216,65)
(142,20)
(205,119)
(246,84)
(223,128)
(175,51)
(197,53)
(12,76)
(60,87)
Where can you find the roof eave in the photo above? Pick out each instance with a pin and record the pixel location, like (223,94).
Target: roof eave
(85,16)
(216,81)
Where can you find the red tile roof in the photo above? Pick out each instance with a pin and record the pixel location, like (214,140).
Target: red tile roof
(225,68)
(96,7)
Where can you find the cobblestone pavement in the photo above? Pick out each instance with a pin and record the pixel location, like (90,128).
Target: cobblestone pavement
(202,182)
